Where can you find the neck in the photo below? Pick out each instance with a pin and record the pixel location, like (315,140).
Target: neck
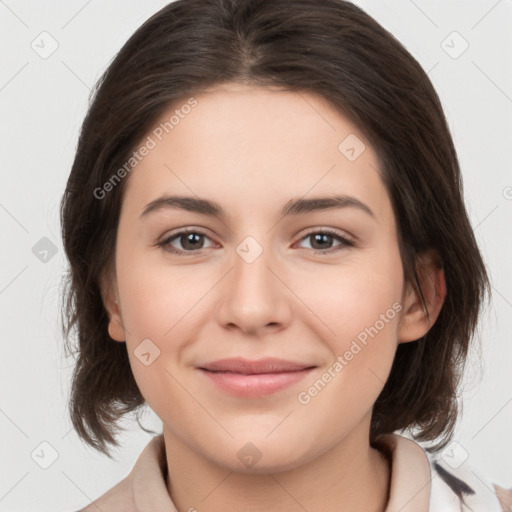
(349,476)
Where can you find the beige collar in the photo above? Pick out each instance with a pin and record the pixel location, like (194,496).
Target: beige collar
(409,490)
(410,475)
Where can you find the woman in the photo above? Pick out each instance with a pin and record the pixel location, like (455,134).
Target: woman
(268,245)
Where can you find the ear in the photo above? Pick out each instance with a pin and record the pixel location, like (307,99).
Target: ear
(110,295)
(416,321)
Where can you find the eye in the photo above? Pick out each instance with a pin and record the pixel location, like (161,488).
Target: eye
(322,241)
(191,241)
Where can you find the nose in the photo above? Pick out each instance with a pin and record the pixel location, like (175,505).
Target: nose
(255,298)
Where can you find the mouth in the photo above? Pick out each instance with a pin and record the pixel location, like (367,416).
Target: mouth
(252,379)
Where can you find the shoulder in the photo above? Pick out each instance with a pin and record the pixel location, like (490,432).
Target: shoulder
(455,482)
(505,497)
(446,479)
(117,499)
(144,488)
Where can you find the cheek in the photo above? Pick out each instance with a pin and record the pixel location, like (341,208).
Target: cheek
(159,330)
(156,307)
(156,298)
(360,308)
(343,393)
(157,313)
(363,294)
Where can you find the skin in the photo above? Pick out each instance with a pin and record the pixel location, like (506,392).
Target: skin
(252,150)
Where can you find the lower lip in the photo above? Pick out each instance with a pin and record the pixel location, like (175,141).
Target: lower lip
(256,385)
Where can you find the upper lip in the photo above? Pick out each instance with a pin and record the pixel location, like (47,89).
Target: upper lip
(246,366)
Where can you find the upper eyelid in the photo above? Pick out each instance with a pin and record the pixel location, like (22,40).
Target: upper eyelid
(184,231)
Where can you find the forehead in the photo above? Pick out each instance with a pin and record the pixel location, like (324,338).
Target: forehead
(251,146)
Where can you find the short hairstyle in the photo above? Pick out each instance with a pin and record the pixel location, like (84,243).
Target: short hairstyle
(327,47)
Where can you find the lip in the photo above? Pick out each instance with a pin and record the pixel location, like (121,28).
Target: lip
(251,379)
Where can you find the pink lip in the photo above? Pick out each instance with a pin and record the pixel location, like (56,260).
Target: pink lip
(251,379)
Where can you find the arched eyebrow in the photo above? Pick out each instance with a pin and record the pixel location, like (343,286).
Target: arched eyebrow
(297,206)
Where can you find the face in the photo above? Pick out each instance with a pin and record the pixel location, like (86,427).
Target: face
(272,274)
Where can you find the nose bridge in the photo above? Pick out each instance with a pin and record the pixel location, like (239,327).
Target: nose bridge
(255,251)
(252,277)
(255,297)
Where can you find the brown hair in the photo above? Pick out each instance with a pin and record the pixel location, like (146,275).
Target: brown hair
(328,47)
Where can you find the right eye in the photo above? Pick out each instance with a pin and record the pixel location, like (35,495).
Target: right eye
(190,240)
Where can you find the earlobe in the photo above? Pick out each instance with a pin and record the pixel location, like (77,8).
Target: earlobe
(416,321)
(111,302)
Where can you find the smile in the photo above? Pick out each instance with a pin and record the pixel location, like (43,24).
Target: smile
(255,385)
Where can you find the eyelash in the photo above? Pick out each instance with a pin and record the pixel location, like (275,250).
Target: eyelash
(165,244)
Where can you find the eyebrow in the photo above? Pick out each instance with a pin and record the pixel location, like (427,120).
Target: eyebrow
(299,206)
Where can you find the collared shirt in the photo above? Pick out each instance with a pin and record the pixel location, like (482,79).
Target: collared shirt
(419,483)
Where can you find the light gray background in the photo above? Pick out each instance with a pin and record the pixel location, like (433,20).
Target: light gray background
(42,104)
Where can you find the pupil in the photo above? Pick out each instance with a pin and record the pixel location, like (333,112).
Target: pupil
(190,238)
(320,238)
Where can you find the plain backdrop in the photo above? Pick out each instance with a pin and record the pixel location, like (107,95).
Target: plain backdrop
(43,99)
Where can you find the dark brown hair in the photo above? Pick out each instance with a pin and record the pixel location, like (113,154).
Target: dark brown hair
(328,47)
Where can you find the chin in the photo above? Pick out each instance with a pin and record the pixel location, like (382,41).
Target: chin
(260,456)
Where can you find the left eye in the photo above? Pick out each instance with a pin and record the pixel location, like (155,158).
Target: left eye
(321,238)
(193,242)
